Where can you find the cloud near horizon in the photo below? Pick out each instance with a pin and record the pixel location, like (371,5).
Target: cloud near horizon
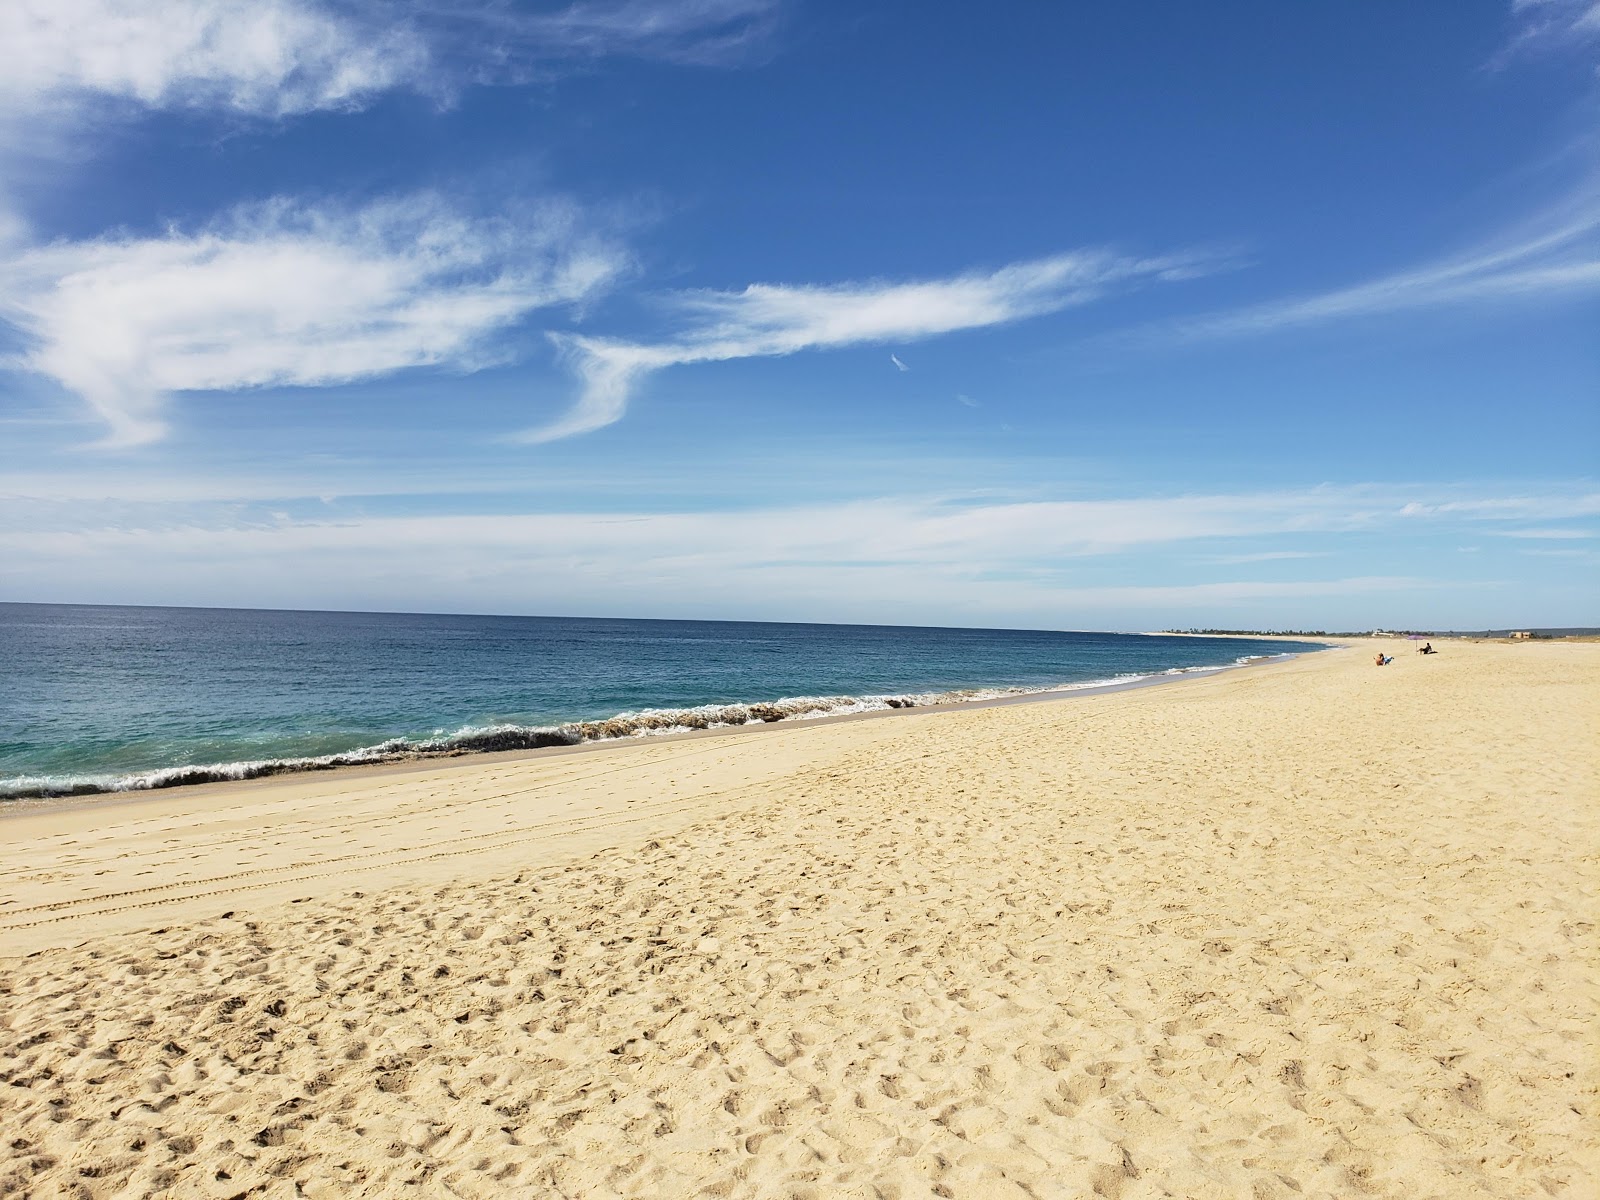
(1007,561)
(982,534)
(772,320)
(289,294)
(1332,556)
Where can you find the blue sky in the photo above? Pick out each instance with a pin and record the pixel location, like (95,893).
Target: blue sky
(1060,316)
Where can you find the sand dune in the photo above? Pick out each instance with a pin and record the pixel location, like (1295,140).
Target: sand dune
(1313,929)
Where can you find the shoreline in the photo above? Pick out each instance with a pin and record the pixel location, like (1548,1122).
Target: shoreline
(300,798)
(422,759)
(1319,930)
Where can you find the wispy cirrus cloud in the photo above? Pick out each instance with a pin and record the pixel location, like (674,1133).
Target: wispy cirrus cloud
(983,532)
(73,67)
(1534,505)
(292,292)
(1579,554)
(495,38)
(288,294)
(1264,556)
(745,566)
(279,58)
(1553,255)
(1557,535)
(772,320)
(266,57)
(1552,26)
(915,556)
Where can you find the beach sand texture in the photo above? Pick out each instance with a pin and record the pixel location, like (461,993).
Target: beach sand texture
(1314,929)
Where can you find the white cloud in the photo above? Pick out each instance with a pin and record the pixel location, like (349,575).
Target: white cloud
(1581,554)
(269,57)
(972,523)
(279,58)
(1547,534)
(898,365)
(766,320)
(1550,26)
(694,32)
(287,294)
(907,559)
(832,562)
(73,67)
(1264,556)
(1525,507)
(1555,254)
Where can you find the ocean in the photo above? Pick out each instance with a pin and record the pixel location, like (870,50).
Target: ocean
(104,698)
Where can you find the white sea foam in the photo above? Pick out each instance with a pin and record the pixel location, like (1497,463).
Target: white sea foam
(649,722)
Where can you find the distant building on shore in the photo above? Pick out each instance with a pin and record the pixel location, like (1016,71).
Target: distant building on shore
(1521,635)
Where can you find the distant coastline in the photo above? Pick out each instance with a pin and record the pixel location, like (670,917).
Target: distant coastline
(1533,632)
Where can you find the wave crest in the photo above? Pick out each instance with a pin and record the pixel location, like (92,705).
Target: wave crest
(487,739)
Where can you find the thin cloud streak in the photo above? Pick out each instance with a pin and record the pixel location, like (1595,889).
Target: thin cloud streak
(1546,534)
(919,559)
(280,58)
(1113,521)
(287,294)
(1551,27)
(1234,560)
(772,565)
(1554,255)
(885,529)
(773,320)
(688,32)
(684,546)
(1578,554)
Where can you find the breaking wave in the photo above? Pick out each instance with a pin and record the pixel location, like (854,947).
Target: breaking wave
(484,739)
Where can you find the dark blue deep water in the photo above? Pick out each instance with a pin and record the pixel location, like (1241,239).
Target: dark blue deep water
(96,698)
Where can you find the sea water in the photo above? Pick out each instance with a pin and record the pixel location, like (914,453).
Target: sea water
(100,698)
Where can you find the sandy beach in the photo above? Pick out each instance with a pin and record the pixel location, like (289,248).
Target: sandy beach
(1310,929)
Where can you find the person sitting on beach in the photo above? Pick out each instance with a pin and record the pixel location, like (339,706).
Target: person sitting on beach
(1427,648)
(1380,659)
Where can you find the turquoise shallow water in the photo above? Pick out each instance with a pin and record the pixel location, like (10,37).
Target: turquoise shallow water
(100,698)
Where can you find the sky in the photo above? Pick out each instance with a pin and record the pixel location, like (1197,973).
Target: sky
(1125,317)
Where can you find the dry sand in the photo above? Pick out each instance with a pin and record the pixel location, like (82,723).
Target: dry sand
(1311,929)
